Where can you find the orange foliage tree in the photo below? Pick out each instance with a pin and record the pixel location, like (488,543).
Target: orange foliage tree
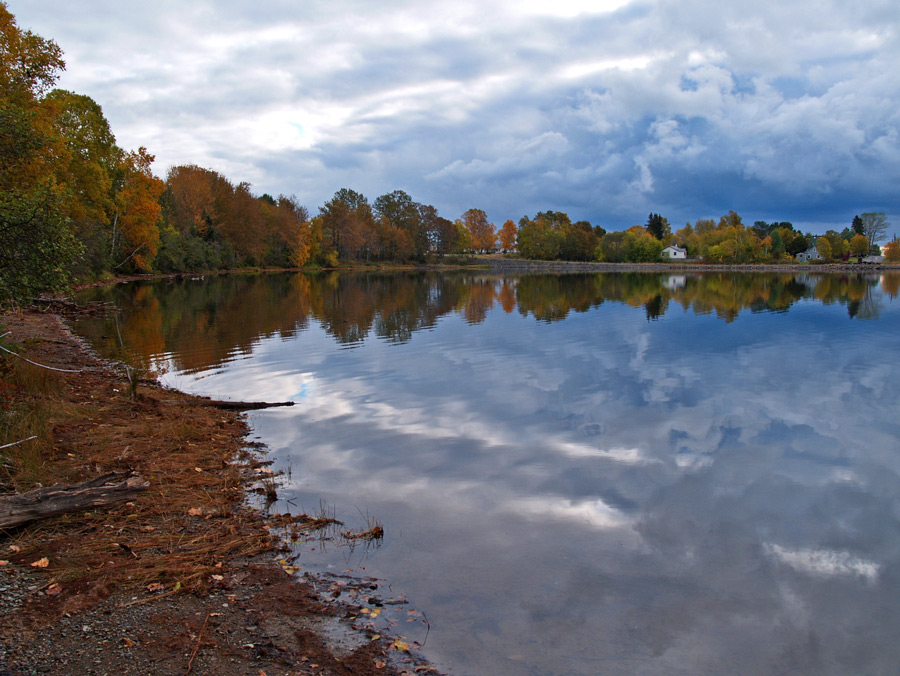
(480,230)
(507,236)
(139,209)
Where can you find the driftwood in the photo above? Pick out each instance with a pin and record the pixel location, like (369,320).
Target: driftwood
(245,405)
(108,489)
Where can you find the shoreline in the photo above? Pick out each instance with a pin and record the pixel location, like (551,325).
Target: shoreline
(185,578)
(519,265)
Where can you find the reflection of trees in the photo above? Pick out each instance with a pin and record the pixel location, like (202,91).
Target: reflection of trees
(205,322)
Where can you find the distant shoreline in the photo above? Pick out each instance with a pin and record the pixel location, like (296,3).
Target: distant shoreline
(513,265)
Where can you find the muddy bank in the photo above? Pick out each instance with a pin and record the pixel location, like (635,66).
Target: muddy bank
(185,577)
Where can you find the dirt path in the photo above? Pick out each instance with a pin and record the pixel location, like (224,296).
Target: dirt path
(184,579)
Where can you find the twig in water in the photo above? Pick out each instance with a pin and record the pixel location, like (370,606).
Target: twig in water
(427,629)
(43,366)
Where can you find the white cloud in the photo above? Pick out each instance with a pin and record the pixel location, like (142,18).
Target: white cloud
(824,562)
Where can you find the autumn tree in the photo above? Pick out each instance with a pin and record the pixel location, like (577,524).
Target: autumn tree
(481,231)
(37,242)
(579,242)
(138,209)
(823,246)
(859,245)
(507,236)
(89,171)
(400,211)
(347,220)
(891,251)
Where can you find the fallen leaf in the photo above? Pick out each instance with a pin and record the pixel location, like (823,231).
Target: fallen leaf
(380,665)
(218,578)
(41,563)
(402,646)
(197,469)
(262,673)
(15,548)
(4,563)
(375,637)
(155,587)
(147,529)
(53,589)
(127,642)
(195,511)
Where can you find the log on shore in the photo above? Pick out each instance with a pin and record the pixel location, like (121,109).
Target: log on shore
(108,489)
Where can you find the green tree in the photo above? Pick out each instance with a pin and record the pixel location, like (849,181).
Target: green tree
(798,244)
(777,245)
(658,226)
(612,245)
(641,246)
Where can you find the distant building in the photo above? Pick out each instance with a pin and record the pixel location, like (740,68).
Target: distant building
(872,259)
(811,254)
(674,252)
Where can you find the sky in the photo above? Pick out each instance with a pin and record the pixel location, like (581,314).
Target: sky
(608,110)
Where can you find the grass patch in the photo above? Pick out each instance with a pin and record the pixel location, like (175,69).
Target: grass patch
(29,396)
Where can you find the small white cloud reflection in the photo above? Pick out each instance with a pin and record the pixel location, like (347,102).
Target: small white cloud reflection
(593,513)
(824,562)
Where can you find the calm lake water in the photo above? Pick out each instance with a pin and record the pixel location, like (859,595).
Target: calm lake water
(585,474)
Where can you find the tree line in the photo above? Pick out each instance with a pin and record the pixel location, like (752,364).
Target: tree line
(73,204)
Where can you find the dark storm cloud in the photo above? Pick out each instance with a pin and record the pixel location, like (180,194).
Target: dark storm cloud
(783,111)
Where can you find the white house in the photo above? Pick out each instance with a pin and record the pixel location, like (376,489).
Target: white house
(811,254)
(674,252)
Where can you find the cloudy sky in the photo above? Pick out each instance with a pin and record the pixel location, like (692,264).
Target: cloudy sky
(607,110)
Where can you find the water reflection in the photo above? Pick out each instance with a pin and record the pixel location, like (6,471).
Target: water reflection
(711,491)
(208,322)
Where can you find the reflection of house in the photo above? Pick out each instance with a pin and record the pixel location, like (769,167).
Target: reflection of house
(674,252)
(811,254)
(675,282)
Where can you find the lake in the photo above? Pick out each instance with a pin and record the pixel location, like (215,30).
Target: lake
(576,474)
